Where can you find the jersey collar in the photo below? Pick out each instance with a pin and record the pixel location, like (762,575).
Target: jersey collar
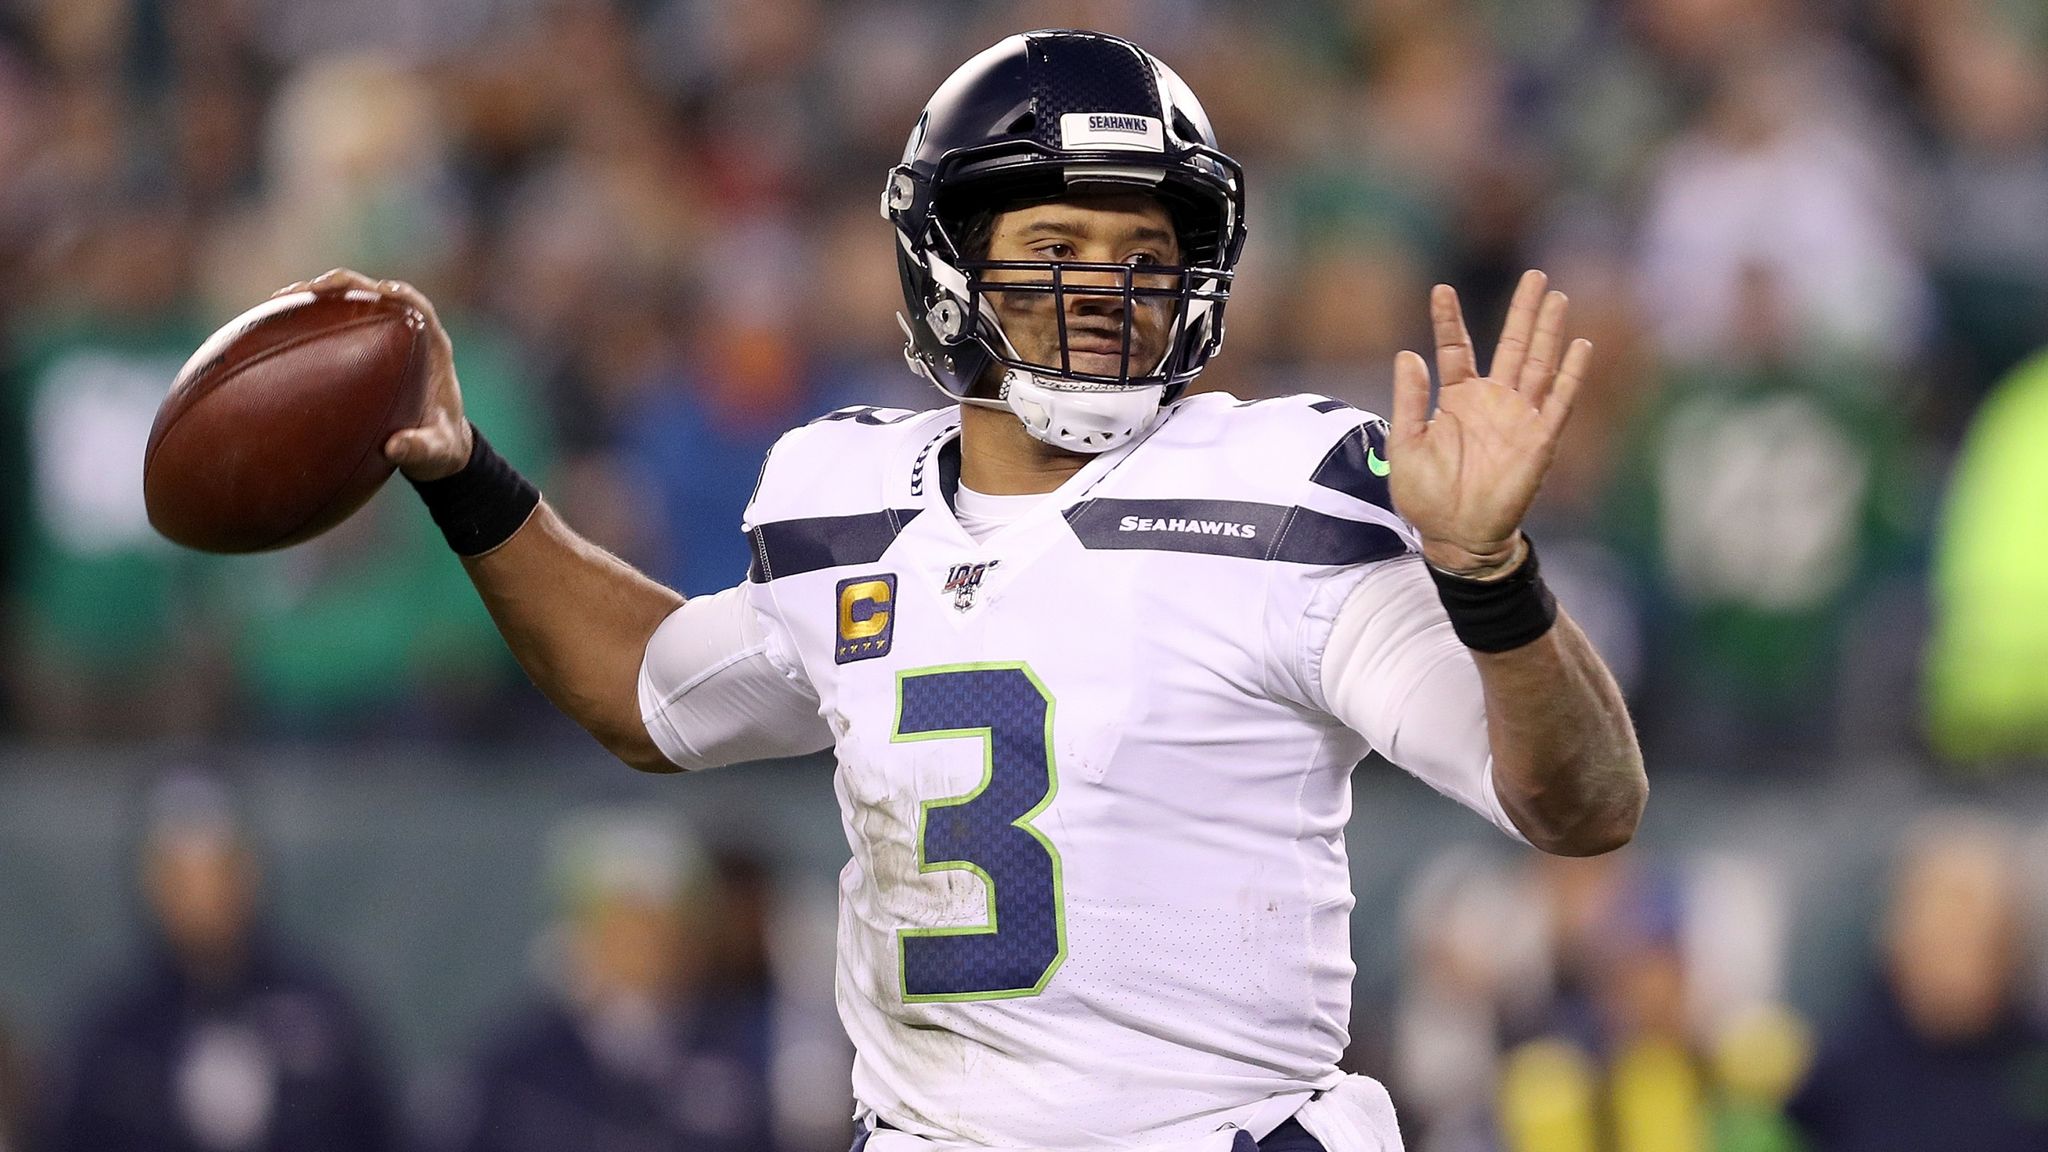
(928,472)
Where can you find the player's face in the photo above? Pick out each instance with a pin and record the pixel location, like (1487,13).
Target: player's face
(1132,229)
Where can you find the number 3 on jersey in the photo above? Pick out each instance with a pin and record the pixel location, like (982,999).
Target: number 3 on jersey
(988,832)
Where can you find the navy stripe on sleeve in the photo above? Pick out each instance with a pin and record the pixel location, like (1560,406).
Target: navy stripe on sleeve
(1357,465)
(1213,527)
(793,547)
(1310,537)
(1246,530)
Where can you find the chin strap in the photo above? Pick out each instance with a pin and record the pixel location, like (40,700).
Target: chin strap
(1086,421)
(1083,422)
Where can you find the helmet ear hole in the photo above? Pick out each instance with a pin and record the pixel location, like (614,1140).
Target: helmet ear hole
(947,320)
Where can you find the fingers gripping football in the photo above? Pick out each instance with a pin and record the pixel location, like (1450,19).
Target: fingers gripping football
(439,444)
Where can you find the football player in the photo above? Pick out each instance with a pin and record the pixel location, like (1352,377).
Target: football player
(1095,657)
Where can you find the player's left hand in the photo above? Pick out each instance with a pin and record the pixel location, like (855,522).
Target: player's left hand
(1466,476)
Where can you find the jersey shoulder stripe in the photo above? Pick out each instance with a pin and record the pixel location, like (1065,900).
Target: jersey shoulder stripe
(823,498)
(867,414)
(1356,465)
(794,547)
(1312,537)
(1244,529)
(1306,435)
(1301,451)
(837,466)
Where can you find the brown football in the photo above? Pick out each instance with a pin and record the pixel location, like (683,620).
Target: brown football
(274,430)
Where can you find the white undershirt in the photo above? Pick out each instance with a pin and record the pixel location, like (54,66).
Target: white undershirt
(981,514)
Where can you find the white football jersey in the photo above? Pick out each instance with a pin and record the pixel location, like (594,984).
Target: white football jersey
(1093,788)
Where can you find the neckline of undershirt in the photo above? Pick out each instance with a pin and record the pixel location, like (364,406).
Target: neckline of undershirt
(982,514)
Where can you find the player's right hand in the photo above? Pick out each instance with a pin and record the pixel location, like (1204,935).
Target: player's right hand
(439,444)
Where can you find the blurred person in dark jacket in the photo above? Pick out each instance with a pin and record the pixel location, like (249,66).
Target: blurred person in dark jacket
(1940,1053)
(17,1095)
(643,1043)
(223,1042)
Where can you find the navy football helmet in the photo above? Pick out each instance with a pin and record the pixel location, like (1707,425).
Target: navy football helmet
(1040,116)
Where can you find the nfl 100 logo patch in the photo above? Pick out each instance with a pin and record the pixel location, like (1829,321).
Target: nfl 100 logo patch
(964,580)
(867,617)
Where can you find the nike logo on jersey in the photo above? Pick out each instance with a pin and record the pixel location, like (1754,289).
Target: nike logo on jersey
(1375,462)
(1177,524)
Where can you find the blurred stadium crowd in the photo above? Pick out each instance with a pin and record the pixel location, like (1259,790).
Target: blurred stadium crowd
(1800,509)
(1807,239)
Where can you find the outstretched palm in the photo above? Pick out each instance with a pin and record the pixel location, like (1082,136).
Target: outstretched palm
(1466,476)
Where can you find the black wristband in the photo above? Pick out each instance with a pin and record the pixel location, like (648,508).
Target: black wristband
(480,507)
(1498,615)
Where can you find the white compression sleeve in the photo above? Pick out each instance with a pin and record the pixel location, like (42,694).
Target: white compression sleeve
(1395,673)
(713,692)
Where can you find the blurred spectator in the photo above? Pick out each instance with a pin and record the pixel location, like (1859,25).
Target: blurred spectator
(225,1042)
(18,1097)
(699,427)
(1988,87)
(661,215)
(1353,305)
(354,174)
(1768,491)
(373,629)
(849,319)
(1765,503)
(654,1034)
(1987,663)
(1789,179)
(111,622)
(1940,1052)
(1477,971)
(1625,1064)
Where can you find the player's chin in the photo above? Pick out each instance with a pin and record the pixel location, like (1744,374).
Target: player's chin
(1109,364)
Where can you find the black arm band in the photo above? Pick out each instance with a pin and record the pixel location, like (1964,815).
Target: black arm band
(1498,615)
(480,507)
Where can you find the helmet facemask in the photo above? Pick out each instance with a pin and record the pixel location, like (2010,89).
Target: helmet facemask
(1083,352)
